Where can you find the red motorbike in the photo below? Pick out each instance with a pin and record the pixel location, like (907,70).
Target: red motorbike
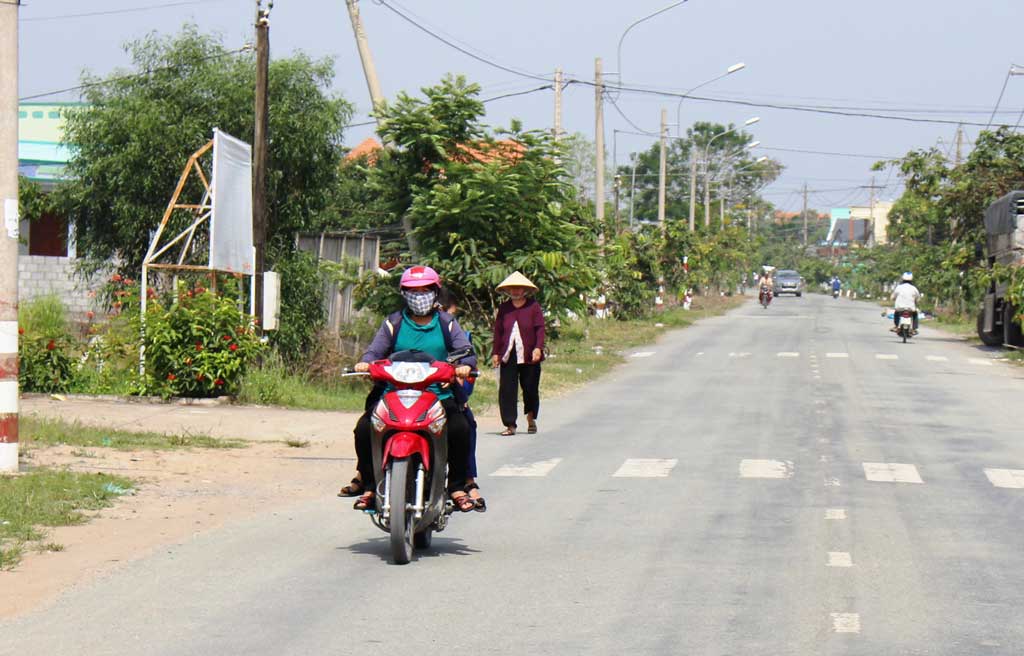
(765,297)
(410,449)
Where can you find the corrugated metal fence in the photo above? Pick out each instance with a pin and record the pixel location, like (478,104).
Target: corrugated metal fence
(337,247)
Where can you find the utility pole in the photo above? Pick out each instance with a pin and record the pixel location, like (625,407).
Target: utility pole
(599,145)
(259,154)
(959,144)
(871,212)
(617,184)
(693,186)
(804,214)
(662,170)
(369,70)
(707,190)
(9,238)
(557,132)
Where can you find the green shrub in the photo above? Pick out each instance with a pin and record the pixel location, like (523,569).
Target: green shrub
(197,347)
(302,306)
(45,363)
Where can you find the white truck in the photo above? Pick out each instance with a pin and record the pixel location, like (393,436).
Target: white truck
(1004,231)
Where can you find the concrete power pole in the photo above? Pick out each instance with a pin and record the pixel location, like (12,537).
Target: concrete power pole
(9,238)
(369,70)
(707,190)
(662,170)
(599,145)
(259,154)
(959,144)
(804,214)
(693,187)
(557,131)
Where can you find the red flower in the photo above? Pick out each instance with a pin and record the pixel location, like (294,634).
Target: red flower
(90,315)
(129,281)
(117,305)
(199,346)
(116,278)
(226,338)
(150,292)
(199,377)
(219,382)
(50,345)
(233,347)
(21,331)
(171,377)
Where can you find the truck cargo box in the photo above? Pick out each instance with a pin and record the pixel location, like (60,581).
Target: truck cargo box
(1004,225)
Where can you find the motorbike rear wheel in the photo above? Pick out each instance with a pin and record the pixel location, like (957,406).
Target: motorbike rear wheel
(402,520)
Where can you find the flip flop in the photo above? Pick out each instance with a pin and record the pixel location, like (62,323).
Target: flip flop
(508,431)
(532,428)
(464,503)
(353,489)
(364,503)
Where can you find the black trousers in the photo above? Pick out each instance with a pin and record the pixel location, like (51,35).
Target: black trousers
(458,447)
(511,377)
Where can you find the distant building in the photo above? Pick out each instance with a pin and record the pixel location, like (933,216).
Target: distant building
(869,226)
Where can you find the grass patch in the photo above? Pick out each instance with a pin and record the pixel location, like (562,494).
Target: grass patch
(957,324)
(47,497)
(36,431)
(273,384)
(297,444)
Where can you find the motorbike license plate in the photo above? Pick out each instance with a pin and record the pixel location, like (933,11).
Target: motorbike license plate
(906,322)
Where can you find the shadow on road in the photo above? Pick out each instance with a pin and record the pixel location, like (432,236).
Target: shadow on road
(381,548)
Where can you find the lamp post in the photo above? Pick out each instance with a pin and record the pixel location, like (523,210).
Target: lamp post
(707,157)
(735,68)
(618,57)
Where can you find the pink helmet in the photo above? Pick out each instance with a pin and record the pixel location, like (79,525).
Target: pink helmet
(420,276)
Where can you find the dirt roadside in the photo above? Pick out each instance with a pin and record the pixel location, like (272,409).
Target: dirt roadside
(181,493)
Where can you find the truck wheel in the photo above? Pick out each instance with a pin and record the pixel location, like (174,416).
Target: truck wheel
(1011,329)
(988,339)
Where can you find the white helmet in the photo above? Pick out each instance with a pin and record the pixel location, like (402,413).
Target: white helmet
(907,276)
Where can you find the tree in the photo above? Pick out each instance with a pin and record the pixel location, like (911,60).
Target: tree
(138,127)
(482,203)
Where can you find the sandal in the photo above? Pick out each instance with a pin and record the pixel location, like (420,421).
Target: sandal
(353,489)
(531,427)
(365,503)
(478,501)
(463,502)
(509,430)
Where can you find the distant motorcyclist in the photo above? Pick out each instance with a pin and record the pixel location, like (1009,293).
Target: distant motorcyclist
(905,297)
(837,285)
(764,284)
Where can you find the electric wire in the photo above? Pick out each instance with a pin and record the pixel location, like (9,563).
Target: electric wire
(109,12)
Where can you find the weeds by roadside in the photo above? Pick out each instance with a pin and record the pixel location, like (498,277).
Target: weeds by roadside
(35,431)
(44,498)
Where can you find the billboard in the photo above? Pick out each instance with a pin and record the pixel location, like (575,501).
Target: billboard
(231,218)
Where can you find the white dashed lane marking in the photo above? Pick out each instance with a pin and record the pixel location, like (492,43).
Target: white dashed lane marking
(980,362)
(886,356)
(1012,478)
(646,468)
(788,354)
(766,469)
(529,470)
(891,472)
(846,622)
(837,356)
(937,358)
(739,355)
(839,559)
(642,354)
(835,513)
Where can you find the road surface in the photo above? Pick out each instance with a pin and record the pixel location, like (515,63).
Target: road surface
(781,481)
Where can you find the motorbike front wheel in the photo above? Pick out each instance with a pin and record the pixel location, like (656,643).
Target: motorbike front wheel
(402,520)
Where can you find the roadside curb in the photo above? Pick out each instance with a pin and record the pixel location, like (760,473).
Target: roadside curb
(147,400)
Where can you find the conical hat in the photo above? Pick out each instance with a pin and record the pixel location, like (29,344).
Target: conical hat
(517,280)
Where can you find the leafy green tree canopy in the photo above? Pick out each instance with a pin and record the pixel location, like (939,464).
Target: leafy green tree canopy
(138,127)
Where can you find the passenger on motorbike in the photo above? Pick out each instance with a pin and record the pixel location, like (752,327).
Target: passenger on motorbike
(420,327)
(905,296)
(764,285)
(837,285)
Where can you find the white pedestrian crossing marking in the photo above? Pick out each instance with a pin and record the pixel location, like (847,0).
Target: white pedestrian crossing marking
(1012,478)
(529,470)
(836,356)
(937,358)
(751,468)
(642,354)
(980,361)
(835,513)
(891,472)
(886,356)
(839,559)
(846,622)
(788,354)
(646,468)
(739,355)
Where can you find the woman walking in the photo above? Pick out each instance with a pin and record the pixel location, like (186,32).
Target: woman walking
(518,350)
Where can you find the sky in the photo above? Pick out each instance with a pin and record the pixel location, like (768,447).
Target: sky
(921,59)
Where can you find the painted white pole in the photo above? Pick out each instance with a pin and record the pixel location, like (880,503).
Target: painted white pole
(9,236)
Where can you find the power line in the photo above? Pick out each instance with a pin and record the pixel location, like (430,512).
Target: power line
(454,45)
(117,11)
(99,83)
(485,101)
(825,152)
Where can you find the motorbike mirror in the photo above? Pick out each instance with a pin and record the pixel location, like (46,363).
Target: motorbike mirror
(459,354)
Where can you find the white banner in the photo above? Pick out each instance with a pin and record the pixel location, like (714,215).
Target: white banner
(231,218)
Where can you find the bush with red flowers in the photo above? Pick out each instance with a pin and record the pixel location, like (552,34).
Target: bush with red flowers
(198,346)
(45,363)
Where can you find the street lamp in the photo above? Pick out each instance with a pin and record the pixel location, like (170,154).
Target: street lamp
(618,60)
(679,107)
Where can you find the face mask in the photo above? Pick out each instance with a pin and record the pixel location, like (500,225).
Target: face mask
(420,303)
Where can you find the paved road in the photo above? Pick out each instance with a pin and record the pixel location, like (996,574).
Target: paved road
(789,481)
